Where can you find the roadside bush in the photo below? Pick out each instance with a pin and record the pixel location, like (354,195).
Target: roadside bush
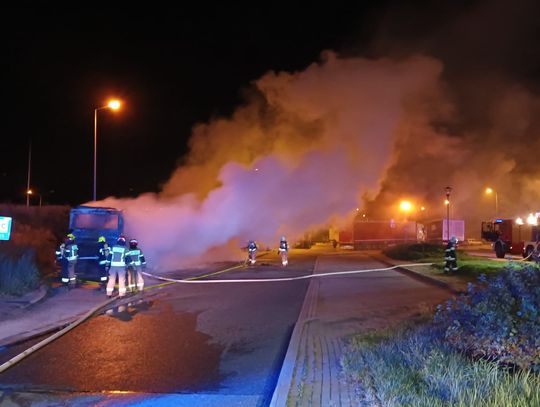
(417,367)
(40,241)
(416,251)
(51,217)
(18,271)
(498,319)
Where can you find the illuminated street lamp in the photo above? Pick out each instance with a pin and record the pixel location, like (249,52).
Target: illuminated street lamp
(447,190)
(114,105)
(490,191)
(405,206)
(30,192)
(532,220)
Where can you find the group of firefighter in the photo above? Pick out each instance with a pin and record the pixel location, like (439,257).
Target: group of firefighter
(283,251)
(115,263)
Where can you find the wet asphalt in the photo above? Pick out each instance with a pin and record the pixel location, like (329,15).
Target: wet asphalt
(212,339)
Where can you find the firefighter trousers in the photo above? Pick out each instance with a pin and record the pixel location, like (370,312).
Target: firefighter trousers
(68,273)
(135,278)
(119,272)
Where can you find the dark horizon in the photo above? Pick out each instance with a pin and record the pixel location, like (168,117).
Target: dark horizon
(172,69)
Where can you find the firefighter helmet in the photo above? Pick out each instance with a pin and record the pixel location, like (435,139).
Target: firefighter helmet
(101,239)
(454,239)
(70,236)
(283,238)
(121,240)
(133,243)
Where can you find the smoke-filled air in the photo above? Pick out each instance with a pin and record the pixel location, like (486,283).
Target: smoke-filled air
(308,148)
(299,154)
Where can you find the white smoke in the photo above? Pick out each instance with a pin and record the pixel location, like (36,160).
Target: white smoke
(301,152)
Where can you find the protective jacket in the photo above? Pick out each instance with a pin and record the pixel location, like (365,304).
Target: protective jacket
(450,257)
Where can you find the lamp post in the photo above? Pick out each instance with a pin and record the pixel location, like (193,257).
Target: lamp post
(28,191)
(405,207)
(448,190)
(490,191)
(114,105)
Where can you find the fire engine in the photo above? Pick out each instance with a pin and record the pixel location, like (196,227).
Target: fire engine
(512,236)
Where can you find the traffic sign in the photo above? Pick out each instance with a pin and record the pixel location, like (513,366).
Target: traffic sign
(5,227)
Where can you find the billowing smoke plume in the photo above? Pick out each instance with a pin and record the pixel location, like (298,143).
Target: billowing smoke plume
(300,153)
(483,131)
(424,111)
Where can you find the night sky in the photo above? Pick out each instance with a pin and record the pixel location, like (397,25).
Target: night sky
(172,69)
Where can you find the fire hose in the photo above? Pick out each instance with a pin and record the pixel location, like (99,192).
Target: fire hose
(191,280)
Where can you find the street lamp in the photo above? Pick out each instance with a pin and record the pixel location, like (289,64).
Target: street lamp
(405,207)
(114,105)
(28,191)
(447,190)
(490,191)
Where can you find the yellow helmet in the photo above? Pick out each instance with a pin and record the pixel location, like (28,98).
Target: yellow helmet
(71,236)
(102,239)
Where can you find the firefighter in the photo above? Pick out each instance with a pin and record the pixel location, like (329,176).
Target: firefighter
(104,260)
(252,252)
(67,255)
(135,263)
(450,256)
(284,251)
(118,268)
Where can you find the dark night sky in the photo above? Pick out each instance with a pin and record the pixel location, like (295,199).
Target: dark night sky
(172,67)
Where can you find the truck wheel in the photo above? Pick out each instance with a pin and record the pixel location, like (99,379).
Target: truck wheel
(527,253)
(499,250)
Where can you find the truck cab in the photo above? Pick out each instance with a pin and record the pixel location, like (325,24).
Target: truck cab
(88,223)
(532,245)
(505,235)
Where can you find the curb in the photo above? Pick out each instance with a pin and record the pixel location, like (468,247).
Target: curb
(28,335)
(420,276)
(288,367)
(43,290)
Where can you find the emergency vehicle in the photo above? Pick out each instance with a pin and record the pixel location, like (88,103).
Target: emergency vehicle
(512,236)
(88,223)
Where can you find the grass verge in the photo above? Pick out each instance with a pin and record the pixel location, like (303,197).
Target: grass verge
(482,348)
(415,367)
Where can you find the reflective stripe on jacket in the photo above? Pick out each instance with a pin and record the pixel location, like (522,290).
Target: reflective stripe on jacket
(71,252)
(135,257)
(118,254)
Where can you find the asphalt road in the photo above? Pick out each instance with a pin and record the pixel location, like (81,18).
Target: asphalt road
(210,344)
(202,341)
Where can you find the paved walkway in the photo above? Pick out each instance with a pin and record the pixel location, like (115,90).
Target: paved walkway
(334,309)
(57,307)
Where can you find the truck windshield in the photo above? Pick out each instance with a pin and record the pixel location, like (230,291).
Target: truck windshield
(95,221)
